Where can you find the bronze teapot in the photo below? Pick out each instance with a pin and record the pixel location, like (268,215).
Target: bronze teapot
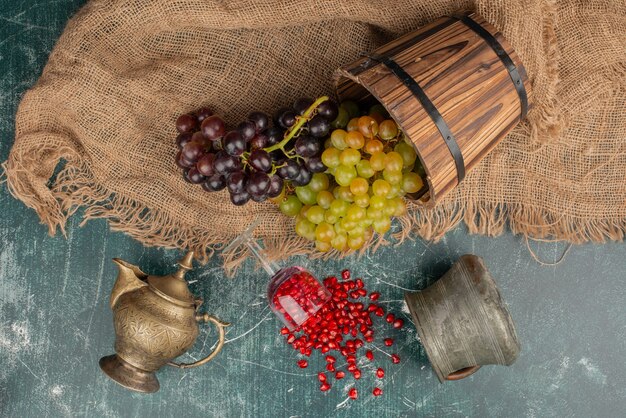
(156,320)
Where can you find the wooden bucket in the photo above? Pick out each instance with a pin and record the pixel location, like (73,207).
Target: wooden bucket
(455,87)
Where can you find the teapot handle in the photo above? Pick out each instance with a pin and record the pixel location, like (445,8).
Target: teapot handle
(220,327)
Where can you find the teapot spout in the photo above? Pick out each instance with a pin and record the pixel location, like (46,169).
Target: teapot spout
(129,278)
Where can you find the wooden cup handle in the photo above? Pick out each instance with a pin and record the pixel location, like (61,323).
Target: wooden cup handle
(462,373)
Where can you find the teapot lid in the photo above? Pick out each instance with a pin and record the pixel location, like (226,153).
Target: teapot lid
(173,286)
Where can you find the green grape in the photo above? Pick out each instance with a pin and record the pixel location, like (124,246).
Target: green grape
(373,213)
(345,174)
(343,193)
(353,125)
(322,246)
(407,152)
(396,191)
(305,229)
(399,206)
(349,157)
(364,169)
(380,109)
(357,231)
(390,209)
(325,198)
(356,242)
(330,217)
(362,200)
(290,206)
(411,182)
(388,130)
(338,138)
(315,214)
(378,202)
(359,186)
(348,224)
(330,157)
(339,241)
(324,232)
(319,182)
(342,118)
(365,222)
(339,207)
(392,177)
(377,161)
(351,107)
(381,188)
(382,225)
(328,143)
(303,210)
(339,229)
(355,140)
(306,195)
(394,161)
(355,213)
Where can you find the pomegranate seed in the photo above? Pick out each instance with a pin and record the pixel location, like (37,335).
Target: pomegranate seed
(395,358)
(352,367)
(325,386)
(359,283)
(398,323)
(372,307)
(353,394)
(377,391)
(340,375)
(284,330)
(291,339)
(379,311)
(357,374)
(345,274)
(374,295)
(330,367)
(330,359)
(303,364)
(380,373)
(388,342)
(390,318)
(322,376)
(369,355)
(351,359)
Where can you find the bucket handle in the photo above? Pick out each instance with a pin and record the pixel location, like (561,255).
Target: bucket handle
(462,373)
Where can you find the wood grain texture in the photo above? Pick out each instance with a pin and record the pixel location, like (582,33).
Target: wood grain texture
(465,80)
(55,320)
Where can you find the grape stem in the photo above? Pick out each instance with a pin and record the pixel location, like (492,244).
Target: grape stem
(300,121)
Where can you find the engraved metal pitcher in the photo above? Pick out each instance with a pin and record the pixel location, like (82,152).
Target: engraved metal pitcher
(462,321)
(156,320)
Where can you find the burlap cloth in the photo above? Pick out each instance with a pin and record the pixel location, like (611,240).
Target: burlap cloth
(123,70)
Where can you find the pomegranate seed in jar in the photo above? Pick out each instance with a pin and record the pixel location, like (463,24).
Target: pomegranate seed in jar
(377,391)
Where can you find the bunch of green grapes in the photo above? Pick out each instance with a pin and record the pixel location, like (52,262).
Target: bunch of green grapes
(370,169)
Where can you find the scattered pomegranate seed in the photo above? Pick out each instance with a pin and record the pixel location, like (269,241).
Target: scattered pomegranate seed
(374,295)
(345,274)
(353,394)
(390,318)
(369,355)
(388,342)
(357,374)
(359,283)
(284,330)
(379,311)
(325,386)
(330,359)
(398,323)
(340,375)
(330,367)
(395,358)
(303,364)
(377,391)
(322,376)
(380,373)
(291,339)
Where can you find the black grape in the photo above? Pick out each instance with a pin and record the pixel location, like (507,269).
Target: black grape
(304,177)
(260,120)
(193,176)
(287,118)
(183,139)
(328,109)
(182,162)
(236,181)
(192,151)
(213,127)
(258,183)
(214,183)
(247,130)
(319,126)
(276,186)
(234,143)
(274,135)
(302,104)
(307,146)
(315,165)
(205,165)
(203,113)
(186,123)
(240,198)
(260,198)
(259,141)
(289,171)
(260,160)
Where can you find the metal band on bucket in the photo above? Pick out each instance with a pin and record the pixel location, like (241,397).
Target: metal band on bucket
(429,107)
(493,43)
